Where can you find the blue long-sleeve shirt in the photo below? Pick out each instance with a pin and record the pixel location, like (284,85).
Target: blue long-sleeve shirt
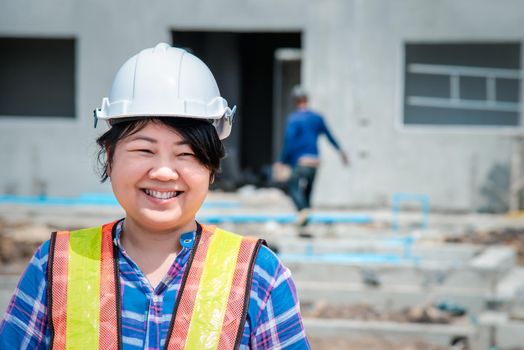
(302,132)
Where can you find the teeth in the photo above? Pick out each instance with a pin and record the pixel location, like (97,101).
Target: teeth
(161,195)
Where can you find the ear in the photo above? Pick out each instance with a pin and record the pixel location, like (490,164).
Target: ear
(211,179)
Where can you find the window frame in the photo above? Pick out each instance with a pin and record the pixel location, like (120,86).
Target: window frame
(510,130)
(73,117)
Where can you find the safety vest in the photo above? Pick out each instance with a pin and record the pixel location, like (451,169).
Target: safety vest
(84,299)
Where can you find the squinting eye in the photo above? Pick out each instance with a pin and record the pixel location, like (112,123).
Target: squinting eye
(186,154)
(143,151)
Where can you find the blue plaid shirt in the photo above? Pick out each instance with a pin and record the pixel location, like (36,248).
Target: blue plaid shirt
(273,320)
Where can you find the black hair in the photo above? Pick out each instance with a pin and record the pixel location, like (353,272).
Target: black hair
(200,135)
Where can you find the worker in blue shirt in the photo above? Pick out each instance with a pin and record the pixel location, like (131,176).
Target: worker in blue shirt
(300,151)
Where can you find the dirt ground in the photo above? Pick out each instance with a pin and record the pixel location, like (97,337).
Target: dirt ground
(364,312)
(513,237)
(18,242)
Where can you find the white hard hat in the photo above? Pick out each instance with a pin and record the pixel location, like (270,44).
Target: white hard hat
(298,92)
(165,81)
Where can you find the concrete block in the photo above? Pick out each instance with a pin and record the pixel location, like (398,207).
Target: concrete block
(510,335)
(388,297)
(401,246)
(496,258)
(511,285)
(430,333)
(396,273)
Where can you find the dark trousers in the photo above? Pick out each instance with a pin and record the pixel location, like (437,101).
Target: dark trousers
(300,185)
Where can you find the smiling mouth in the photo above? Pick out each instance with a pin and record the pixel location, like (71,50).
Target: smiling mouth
(162,195)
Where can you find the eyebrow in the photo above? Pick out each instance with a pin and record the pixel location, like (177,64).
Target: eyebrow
(152,140)
(143,138)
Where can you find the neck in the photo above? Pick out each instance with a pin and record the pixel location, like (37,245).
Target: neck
(302,105)
(162,242)
(153,251)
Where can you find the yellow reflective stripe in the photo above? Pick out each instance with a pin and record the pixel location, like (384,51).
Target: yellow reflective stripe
(213,292)
(83,289)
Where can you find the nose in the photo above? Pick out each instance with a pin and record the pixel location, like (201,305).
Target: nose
(164,172)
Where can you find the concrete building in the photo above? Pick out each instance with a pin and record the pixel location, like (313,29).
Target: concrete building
(425,95)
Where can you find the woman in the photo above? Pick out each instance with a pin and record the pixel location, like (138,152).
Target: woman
(157,278)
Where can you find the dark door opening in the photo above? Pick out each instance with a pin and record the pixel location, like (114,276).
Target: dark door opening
(243,65)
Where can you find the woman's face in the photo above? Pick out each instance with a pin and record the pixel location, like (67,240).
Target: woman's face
(158,180)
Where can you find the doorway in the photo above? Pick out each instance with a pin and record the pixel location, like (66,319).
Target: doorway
(245,65)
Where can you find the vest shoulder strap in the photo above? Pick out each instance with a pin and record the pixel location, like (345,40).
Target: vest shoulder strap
(211,307)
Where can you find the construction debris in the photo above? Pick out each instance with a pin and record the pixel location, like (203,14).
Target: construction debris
(513,237)
(18,242)
(364,312)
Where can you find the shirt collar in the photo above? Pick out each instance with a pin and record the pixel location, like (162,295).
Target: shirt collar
(186,239)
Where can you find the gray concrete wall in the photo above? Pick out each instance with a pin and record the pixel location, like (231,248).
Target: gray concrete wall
(353,66)
(357,80)
(61,153)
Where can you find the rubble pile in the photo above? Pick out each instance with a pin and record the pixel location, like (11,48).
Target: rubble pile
(513,237)
(364,312)
(18,242)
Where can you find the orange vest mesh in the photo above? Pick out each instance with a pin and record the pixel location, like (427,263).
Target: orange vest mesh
(109,310)
(58,290)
